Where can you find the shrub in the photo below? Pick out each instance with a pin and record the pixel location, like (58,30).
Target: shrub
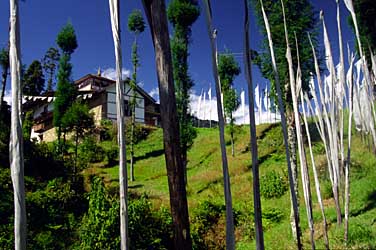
(89,152)
(112,154)
(208,226)
(140,132)
(273,185)
(148,229)
(271,215)
(326,190)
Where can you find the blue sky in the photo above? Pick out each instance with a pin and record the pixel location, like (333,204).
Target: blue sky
(41,20)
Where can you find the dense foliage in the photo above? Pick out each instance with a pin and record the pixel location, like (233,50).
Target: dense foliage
(300,19)
(49,62)
(182,14)
(33,79)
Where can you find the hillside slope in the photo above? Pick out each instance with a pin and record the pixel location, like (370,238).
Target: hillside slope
(205,188)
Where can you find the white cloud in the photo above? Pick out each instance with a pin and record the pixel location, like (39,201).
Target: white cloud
(155,93)
(8,97)
(111,73)
(208,110)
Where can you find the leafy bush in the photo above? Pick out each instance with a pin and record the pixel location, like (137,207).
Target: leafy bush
(140,132)
(100,226)
(273,185)
(111,155)
(271,215)
(89,152)
(326,190)
(208,226)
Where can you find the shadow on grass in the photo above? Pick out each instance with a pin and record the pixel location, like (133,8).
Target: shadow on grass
(154,153)
(369,205)
(135,186)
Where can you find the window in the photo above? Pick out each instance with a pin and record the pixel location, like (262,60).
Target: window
(127,108)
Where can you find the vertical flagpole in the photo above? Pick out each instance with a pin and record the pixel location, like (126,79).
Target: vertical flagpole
(253,139)
(294,199)
(16,139)
(123,178)
(230,236)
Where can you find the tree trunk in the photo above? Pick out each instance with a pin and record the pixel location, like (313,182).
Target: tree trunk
(123,178)
(230,237)
(133,121)
(16,139)
(253,138)
(156,14)
(293,196)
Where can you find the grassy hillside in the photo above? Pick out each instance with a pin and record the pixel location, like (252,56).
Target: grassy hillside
(205,184)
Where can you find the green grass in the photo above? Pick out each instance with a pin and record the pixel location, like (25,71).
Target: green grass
(205,183)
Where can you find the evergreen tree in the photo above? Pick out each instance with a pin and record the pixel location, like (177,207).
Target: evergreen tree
(66,91)
(50,61)
(33,79)
(228,69)
(136,25)
(4,64)
(182,14)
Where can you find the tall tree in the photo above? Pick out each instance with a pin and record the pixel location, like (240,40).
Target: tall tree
(33,79)
(123,178)
(16,138)
(50,62)
(4,64)
(156,14)
(78,120)
(300,19)
(228,69)
(65,91)
(136,25)
(230,236)
(253,139)
(182,14)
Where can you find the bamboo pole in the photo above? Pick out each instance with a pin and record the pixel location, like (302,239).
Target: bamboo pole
(230,237)
(315,174)
(294,200)
(347,165)
(123,178)
(16,138)
(253,139)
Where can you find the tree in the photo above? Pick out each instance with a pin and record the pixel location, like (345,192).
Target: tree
(67,40)
(49,62)
(228,69)
(182,14)
(156,14)
(33,79)
(16,155)
(79,120)
(123,178)
(4,64)
(300,19)
(136,25)
(65,92)
(27,125)
(230,236)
